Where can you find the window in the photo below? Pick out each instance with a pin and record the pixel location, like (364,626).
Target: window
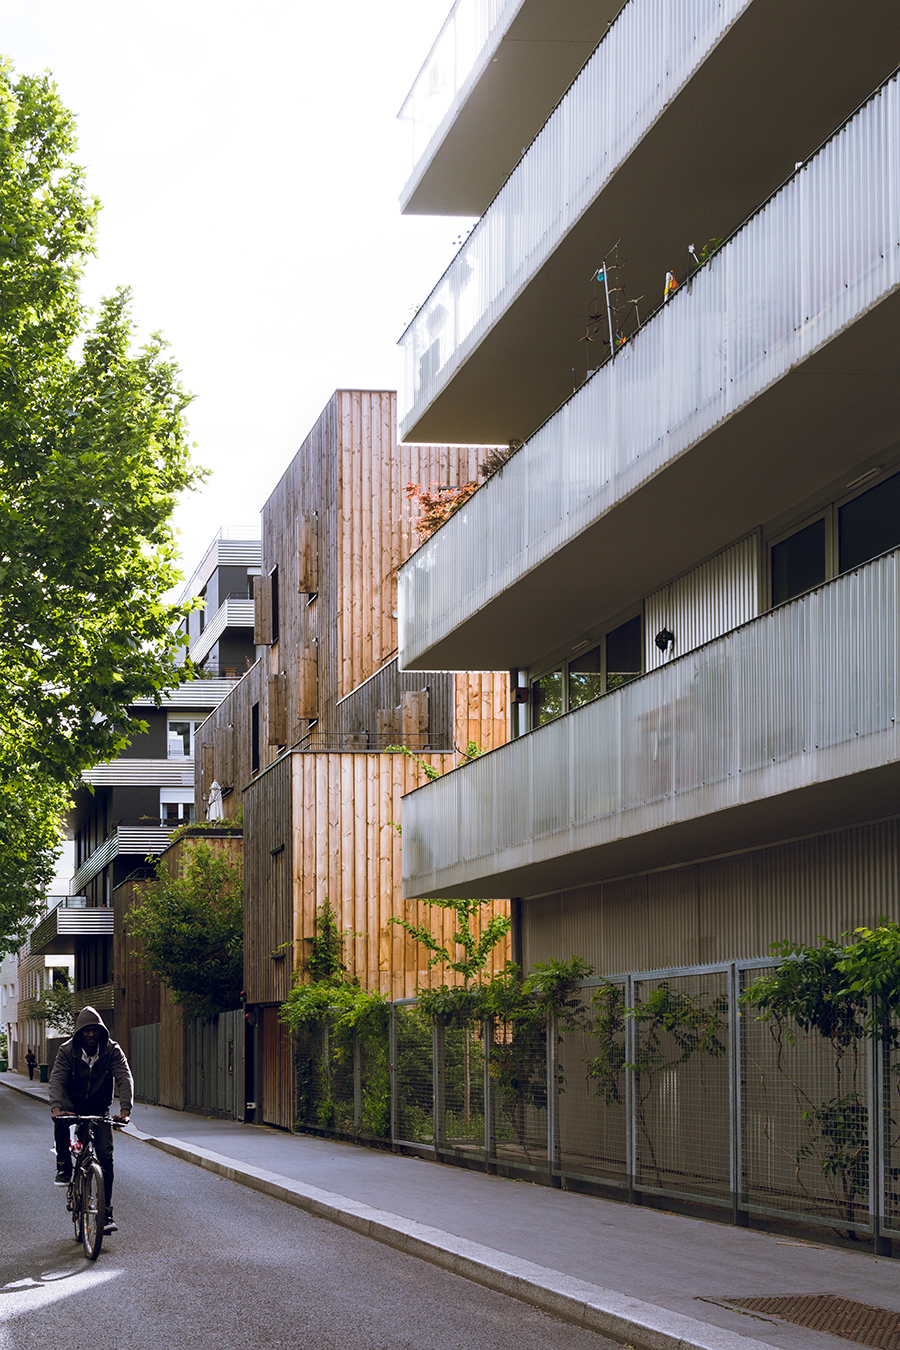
(274,604)
(869,524)
(843,536)
(254,738)
(799,562)
(176,806)
(614,661)
(181,738)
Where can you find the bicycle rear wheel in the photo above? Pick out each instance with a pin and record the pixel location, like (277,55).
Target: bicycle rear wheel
(93,1196)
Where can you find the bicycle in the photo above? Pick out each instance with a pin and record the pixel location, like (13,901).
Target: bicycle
(86,1193)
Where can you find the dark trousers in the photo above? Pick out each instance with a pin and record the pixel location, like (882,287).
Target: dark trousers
(103,1147)
(31,1071)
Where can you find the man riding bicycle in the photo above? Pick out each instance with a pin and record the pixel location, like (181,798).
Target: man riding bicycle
(82,1084)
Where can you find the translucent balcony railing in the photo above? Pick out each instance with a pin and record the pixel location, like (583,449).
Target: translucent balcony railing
(721,749)
(460,51)
(649,53)
(822,253)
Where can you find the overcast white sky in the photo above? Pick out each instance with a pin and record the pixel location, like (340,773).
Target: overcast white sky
(249,161)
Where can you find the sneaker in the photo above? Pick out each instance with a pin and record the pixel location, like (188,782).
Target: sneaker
(110,1226)
(63,1174)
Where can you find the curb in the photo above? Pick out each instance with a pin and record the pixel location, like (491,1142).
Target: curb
(641,1325)
(627,1320)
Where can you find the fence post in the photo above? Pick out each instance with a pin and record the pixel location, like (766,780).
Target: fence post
(740,1216)
(630,1103)
(440,1084)
(490,1139)
(553,1101)
(876,1141)
(393,1071)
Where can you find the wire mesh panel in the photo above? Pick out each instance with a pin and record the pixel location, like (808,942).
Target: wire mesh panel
(337,1110)
(373,1057)
(592,1120)
(414,1123)
(890,1124)
(518,1073)
(682,1120)
(462,1061)
(310,1076)
(805,1125)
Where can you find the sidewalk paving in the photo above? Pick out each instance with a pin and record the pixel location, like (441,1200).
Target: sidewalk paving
(639,1275)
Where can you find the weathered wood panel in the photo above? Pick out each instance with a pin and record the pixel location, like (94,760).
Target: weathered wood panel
(308,683)
(268,866)
(308,554)
(277,1077)
(347,849)
(262,610)
(136,994)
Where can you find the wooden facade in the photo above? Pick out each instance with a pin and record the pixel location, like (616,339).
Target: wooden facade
(298,746)
(140,1001)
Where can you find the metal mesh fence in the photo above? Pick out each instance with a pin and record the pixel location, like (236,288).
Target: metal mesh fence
(414,1069)
(682,1123)
(310,1076)
(461,1124)
(517,1062)
(373,1053)
(805,1121)
(592,1120)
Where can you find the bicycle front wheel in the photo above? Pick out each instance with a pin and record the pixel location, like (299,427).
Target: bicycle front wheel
(75,1207)
(93,1197)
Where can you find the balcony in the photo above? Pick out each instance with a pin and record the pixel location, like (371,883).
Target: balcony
(784,727)
(69,925)
(687,116)
(741,397)
(138,840)
(501,64)
(234,612)
(175,772)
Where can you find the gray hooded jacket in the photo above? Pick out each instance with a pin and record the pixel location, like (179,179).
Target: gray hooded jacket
(87,1090)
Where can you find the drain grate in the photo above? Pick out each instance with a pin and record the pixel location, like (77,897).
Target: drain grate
(859,1322)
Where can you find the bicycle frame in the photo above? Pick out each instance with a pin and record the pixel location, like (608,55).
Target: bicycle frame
(86,1194)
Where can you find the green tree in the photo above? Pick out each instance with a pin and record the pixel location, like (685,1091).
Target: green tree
(191,931)
(93,455)
(55,1008)
(475,947)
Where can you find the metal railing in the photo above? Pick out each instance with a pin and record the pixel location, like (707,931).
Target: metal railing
(742,1117)
(350,741)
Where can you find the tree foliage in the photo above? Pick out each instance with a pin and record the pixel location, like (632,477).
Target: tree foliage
(476,947)
(54,1007)
(93,455)
(191,931)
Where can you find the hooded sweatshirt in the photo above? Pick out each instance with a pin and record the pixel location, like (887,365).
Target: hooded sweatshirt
(87,1089)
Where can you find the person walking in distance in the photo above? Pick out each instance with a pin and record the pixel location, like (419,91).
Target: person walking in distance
(85,1069)
(31,1061)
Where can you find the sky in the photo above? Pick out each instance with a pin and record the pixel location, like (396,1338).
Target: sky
(248,160)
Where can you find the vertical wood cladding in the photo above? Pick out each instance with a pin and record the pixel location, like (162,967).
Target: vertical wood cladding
(268,885)
(336,528)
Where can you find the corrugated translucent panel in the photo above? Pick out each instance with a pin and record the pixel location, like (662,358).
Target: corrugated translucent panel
(720,594)
(805,694)
(824,250)
(649,53)
(465,44)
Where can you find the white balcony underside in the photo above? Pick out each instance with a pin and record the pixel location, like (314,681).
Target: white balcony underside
(787,726)
(688,115)
(502,64)
(773,373)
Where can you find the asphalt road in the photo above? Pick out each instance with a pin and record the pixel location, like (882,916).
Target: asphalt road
(200,1263)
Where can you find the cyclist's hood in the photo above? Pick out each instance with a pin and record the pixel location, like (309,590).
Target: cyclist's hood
(90,1017)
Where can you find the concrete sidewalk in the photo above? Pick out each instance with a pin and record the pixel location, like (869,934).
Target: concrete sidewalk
(650,1279)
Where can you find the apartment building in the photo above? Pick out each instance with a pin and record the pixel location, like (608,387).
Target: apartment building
(301,747)
(127,810)
(683,294)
